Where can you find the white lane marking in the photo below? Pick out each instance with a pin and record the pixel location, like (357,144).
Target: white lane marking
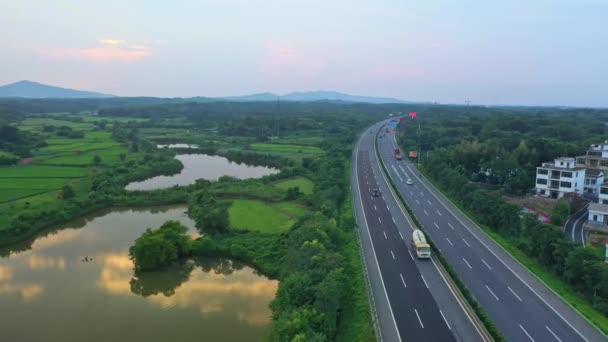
(419,320)
(502,261)
(429,202)
(390,307)
(417,201)
(445,320)
(492,292)
(425,284)
(393,254)
(438,212)
(385,235)
(393,219)
(449,224)
(421,193)
(397,173)
(401,235)
(411,193)
(525,332)
(375,207)
(465,242)
(411,256)
(379,219)
(466,262)
(515,294)
(552,333)
(436,225)
(450,242)
(427,214)
(485,263)
(387,208)
(402,170)
(403,281)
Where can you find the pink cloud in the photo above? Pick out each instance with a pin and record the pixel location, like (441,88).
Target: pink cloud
(104,54)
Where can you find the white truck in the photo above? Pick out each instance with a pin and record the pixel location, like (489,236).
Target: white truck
(420,246)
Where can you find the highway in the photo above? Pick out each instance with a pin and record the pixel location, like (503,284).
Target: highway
(522,308)
(411,299)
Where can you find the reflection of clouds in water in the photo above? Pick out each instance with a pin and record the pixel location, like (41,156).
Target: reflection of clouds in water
(210,292)
(6,273)
(36,262)
(58,238)
(27,292)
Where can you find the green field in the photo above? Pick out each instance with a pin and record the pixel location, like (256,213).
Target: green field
(8,194)
(264,217)
(36,124)
(41,171)
(304,184)
(263,147)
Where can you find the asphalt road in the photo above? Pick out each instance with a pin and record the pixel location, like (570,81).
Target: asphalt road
(412,301)
(522,308)
(573,229)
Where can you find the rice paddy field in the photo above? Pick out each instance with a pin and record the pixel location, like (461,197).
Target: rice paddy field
(264,217)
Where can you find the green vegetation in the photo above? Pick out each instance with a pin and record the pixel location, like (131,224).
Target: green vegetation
(160,247)
(304,185)
(286,148)
(561,212)
(264,217)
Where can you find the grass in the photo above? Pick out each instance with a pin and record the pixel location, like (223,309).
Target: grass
(32,183)
(108,156)
(41,171)
(286,148)
(37,124)
(577,301)
(8,194)
(259,216)
(304,184)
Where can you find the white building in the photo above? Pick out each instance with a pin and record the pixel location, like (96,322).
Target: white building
(560,177)
(598,214)
(594,178)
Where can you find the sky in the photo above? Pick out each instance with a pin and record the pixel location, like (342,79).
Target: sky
(515,52)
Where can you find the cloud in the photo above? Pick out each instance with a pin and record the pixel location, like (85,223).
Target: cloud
(282,62)
(104,54)
(108,41)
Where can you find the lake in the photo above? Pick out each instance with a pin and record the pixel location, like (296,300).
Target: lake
(49,293)
(202,166)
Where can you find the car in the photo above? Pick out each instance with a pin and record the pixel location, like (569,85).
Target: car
(375,192)
(409,181)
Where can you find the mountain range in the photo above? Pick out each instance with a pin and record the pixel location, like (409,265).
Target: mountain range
(29,89)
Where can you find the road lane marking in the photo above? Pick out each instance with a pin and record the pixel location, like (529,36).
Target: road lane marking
(385,235)
(515,294)
(425,284)
(552,333)
(436,225)
(417,201)
(426,213)
(438,212)
(465,242)
(466,262)
(379,219)
(421,193)
(485,263)
(429,202)
(445,320)
(401,235)
(450,242)
(493,253)
(411,256)
(375,207)
(393,254)
(492,292)
(449,224)
(419,320)
(411,193)
(393,219)
(525,332)
(403,281)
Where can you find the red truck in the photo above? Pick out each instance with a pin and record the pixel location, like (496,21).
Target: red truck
(398,154)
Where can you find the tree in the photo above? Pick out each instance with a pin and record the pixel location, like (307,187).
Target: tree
(561,212)
(160,247)
(67,192)
(96,160)
(210,215)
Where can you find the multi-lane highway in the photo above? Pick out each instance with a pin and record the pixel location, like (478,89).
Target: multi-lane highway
(411,298)
(521,307)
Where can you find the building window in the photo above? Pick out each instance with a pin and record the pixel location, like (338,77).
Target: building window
(604,191)
(541,181)
(594,153)
(604,163)
(555,174)
(543,171)
(555,184)
(567,174)
(565,184)
(604,201)
(580,161)
(595,218)
(593,162)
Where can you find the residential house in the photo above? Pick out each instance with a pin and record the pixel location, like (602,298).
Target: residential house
(562,176)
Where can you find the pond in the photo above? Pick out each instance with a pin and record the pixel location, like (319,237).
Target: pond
(202,166)
(49,293)
(177,146)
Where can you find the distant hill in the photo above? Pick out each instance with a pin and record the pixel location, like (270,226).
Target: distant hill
(38,90)
(314,96)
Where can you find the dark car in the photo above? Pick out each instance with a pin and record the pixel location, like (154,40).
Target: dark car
(375,192)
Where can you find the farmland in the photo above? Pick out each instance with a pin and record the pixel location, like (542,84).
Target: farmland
(285,148)
(264,217)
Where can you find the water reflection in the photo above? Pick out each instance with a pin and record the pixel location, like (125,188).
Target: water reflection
(200,299)
(202,166)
